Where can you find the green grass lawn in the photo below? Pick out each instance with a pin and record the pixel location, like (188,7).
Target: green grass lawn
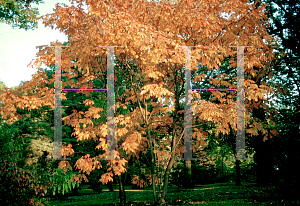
(214,194)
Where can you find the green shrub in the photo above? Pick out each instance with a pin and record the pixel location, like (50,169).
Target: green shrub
(94,183)
(17,182)
(21,184)
(179,177)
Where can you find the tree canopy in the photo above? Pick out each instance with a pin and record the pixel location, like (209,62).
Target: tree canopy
(19,13)
(149,38)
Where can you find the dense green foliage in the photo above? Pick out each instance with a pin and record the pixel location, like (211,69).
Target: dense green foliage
(19,13)
(16,177)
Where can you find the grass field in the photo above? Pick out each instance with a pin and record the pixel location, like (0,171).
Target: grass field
(214,194)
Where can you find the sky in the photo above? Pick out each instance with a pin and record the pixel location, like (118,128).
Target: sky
(18,47)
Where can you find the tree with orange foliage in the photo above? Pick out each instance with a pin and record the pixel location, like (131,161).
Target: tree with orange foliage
(148,33)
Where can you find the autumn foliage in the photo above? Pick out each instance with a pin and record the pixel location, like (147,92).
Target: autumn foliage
(148,35)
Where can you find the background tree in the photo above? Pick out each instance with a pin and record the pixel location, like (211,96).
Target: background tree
(283,16)
(2,89)
(19,13)
(2,86)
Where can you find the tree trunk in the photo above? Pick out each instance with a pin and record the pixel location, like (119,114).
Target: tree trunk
(122,193)
(152,165)
(188,165)
(110,186)
(237,162)
(238,173)
(166,179)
